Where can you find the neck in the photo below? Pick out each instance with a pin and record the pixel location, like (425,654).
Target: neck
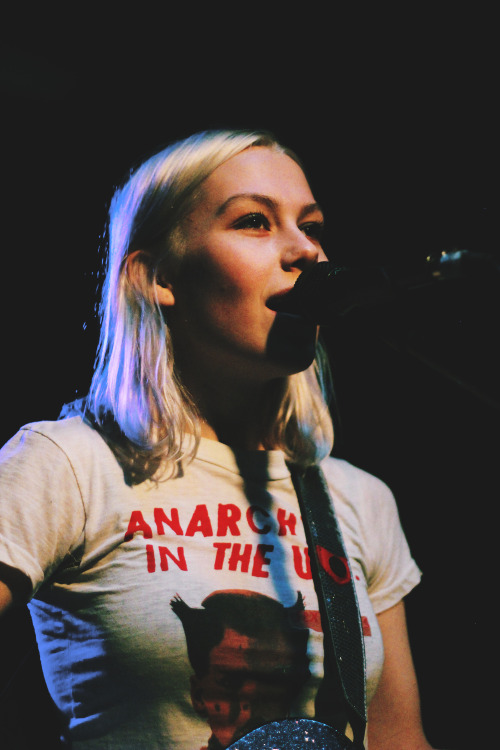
(237,416)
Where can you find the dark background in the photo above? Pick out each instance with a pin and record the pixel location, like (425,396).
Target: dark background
(396,120)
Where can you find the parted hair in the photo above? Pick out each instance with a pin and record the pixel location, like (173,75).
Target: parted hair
(137,399)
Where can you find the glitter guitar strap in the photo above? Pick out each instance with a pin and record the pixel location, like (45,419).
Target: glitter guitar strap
(340,618)
(341,697)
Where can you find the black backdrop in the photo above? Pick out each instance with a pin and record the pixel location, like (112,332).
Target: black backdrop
(402,155)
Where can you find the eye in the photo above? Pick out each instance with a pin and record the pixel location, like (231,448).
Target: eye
(253,221)
(313,229)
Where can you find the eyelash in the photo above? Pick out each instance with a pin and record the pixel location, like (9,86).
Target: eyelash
(253,221)
(257,220)
(313,229)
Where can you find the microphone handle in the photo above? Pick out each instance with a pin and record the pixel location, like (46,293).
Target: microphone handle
(325,291)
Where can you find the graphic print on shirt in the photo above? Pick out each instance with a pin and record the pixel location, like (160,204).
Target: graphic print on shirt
(227,522)
(249,659)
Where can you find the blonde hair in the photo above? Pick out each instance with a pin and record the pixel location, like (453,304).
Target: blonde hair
(136,398)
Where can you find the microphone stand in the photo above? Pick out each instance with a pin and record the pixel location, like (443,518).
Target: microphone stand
(474,276)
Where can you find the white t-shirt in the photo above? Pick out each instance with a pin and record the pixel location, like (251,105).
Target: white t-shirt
(126,577)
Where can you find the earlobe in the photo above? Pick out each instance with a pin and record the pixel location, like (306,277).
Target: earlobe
(197,696)
(164,291)
(164,294)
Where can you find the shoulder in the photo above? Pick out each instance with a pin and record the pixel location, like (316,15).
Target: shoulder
(370,523)
(360,498)
(73,435)
(352,486)
(69,444)
(61,429)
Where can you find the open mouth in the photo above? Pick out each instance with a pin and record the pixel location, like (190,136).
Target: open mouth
(285,302)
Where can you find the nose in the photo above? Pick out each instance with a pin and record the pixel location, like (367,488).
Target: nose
(300,250)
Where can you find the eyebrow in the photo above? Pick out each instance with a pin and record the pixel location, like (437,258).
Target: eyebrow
(265,200)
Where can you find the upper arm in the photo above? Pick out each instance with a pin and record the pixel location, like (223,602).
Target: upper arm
(14,587)
(5,597)
(394,718)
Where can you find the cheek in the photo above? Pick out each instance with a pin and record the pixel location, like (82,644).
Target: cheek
(232,282)
(228,279)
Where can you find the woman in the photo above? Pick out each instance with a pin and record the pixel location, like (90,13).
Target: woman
(163,552)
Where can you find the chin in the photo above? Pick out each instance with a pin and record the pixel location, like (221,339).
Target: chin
(292,343)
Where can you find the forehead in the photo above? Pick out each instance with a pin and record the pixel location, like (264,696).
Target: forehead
(259,170)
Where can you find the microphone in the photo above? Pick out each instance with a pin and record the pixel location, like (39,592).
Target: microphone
(325,291)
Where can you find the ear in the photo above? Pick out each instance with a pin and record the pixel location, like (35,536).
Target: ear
(197,696)
(138,263)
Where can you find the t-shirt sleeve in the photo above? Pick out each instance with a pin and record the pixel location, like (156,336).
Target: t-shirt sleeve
(42,516)
(373,533)
(392,571)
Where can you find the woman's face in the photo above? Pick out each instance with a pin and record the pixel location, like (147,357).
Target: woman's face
(255,228)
